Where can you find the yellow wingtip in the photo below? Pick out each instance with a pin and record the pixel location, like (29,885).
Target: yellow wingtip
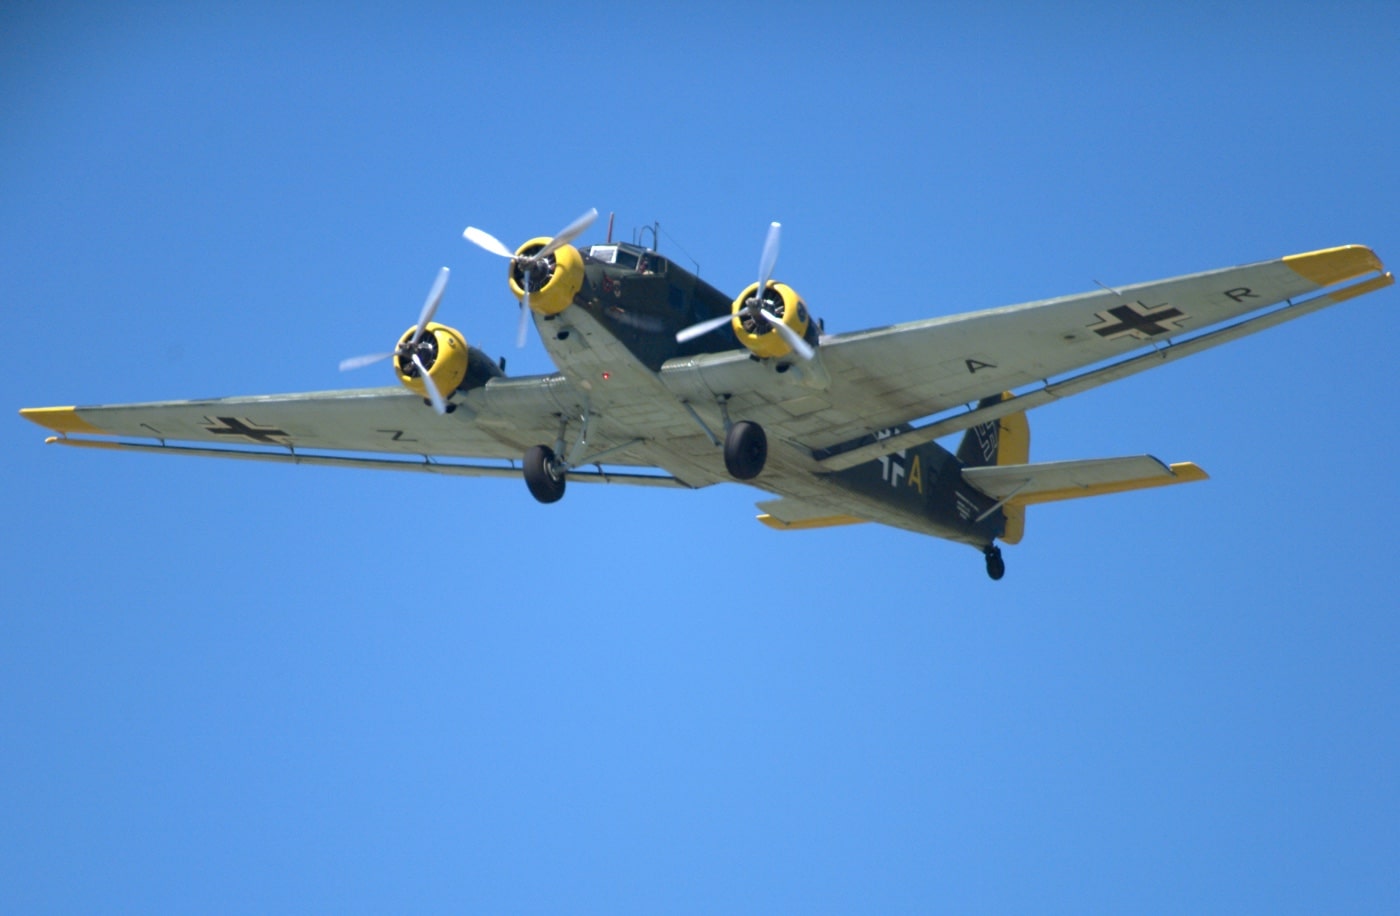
(1333,265)
(61,420)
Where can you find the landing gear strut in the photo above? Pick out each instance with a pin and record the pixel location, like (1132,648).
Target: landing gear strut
(996,566)
(745,450)
(542,475)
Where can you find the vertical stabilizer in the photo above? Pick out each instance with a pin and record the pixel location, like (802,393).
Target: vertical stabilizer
(1003,441)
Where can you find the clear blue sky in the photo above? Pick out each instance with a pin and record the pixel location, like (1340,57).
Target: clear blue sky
(262,688)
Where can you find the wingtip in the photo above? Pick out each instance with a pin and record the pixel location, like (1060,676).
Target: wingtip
(1329,266)
(60,420)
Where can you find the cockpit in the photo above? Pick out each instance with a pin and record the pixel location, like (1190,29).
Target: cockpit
(629,257)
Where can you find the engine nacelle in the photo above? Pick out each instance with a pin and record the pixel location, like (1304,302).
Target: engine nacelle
(563,277)
(782,302)
(443,352)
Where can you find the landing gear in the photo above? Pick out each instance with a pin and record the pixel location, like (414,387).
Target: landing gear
(996,566)
(542,474)
(745,450)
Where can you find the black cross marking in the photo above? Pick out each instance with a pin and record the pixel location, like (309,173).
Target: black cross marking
(233,426)
(1141,321)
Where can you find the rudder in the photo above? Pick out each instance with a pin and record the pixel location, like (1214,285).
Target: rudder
(1006,440)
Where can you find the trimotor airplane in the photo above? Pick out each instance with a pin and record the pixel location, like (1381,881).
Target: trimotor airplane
(664,381)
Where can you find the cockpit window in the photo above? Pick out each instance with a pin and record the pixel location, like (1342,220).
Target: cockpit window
(629,257)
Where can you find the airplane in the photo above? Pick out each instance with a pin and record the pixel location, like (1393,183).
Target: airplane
(664,381)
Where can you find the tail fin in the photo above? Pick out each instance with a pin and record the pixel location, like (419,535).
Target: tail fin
(1003,441)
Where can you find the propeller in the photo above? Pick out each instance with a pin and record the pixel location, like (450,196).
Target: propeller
(794,339)
(410,348)
(528,264)
(756,306)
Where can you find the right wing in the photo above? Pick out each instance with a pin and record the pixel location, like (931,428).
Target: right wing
(497,421)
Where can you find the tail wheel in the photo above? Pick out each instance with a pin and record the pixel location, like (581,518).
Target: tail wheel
(996,566)
(545,483)
(745,450)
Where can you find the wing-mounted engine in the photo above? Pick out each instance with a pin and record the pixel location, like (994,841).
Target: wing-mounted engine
(546,283)
(441,352)
(755,321)
(769,318)
(431,359)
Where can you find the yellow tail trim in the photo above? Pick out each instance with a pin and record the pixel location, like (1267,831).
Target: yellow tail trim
(830,521)
(1015,523)
(1183,472)
(1014,438)
(1014,447)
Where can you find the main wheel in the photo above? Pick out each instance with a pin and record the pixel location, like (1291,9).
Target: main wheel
(544,482)
(996,566)
(745,450)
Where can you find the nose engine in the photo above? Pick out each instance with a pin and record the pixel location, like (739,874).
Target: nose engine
(548,283)
(545,273)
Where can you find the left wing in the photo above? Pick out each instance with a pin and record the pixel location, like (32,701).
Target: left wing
(872,381)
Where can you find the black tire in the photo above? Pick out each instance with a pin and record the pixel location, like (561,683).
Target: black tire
(544,484)
(996,566)
(745,450)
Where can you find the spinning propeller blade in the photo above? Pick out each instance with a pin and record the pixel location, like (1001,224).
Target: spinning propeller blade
(439,405)
(704,327)
(567,234)
(429,306)
(359,362)
(769,258)
(487,241)
(794,340)
(524,327)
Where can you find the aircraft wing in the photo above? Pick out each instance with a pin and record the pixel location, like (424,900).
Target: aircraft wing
(497,422)
(879,379)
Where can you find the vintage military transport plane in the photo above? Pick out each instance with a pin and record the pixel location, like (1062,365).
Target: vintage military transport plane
(664,381)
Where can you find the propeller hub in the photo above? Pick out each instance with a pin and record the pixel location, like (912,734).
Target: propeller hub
(753,318)
(539,270)
(426,350)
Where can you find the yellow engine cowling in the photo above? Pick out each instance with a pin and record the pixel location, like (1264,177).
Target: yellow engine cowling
(564,282)
(445,357)
(761,339)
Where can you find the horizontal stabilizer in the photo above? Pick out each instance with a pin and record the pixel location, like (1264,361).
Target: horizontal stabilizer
(795,515)
(1027,484)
